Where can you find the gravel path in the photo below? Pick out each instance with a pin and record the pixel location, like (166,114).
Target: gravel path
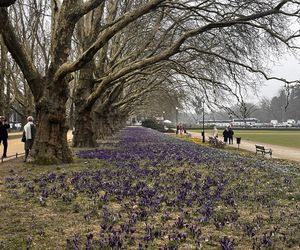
(279,152)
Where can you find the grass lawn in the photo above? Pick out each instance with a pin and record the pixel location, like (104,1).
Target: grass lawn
(146,190)
(282,138)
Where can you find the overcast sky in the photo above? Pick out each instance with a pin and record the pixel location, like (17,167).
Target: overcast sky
(288,68)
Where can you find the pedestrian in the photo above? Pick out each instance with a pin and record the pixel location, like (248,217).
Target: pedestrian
(184,129)
(230,135)
(29,133)
(180,128)
(226,135)
(177,129)
(215,132)
(4,125)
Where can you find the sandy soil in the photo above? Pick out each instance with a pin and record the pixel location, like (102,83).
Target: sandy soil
(279,152)
(16,147)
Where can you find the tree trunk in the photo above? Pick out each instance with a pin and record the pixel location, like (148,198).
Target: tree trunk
(119,122)
(84,133)
(51,145)
(104,125)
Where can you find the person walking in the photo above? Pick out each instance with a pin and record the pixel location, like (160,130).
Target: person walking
(29,132)
(230,135)
(226,135)
(4,125)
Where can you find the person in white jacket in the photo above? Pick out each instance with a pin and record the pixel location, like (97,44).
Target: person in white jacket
(215,132)
(29,131)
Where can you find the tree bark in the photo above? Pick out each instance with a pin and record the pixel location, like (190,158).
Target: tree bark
(84,134)
(105,124)
(51,145)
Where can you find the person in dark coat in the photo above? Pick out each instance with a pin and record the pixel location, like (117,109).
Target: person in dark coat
(226,135)
(3,134)
(230,135)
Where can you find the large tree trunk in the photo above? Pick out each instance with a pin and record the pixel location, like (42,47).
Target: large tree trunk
(119,122)
(84,134)
(51,145)
(104,125)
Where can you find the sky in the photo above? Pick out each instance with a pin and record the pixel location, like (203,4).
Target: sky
(288,68)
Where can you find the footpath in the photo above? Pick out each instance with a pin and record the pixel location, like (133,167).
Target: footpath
(16,147)
(279,152)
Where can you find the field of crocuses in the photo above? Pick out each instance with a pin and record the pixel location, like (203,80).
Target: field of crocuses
(145,190)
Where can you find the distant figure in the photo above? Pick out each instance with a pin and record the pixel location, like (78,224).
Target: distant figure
(215,132)
(230,135)
(3,134)
(29,131)
(180,128)
(226,135)
(183,130)
(177,129)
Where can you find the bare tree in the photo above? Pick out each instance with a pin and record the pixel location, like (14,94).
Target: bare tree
(51,90)
(221,35)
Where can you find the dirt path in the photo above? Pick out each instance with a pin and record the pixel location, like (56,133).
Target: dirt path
(16,147)
(279,152)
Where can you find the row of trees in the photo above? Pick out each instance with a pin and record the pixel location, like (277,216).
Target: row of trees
(281,107)
(98,61)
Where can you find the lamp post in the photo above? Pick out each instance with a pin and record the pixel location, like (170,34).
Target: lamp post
(203,134)
(176,115)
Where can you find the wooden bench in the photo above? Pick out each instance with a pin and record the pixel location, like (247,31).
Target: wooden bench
(263,150)
(215,142)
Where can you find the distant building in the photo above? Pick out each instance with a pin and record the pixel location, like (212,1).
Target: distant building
(274,122)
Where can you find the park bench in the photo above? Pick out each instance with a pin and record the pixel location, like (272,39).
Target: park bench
(215,142)
(263,150)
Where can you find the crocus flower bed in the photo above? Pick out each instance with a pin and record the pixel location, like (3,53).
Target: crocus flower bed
(145,190)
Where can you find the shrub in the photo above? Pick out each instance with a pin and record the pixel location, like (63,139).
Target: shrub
(152,123)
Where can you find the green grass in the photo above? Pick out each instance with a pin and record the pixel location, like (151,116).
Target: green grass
(282,138)
(276,137)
